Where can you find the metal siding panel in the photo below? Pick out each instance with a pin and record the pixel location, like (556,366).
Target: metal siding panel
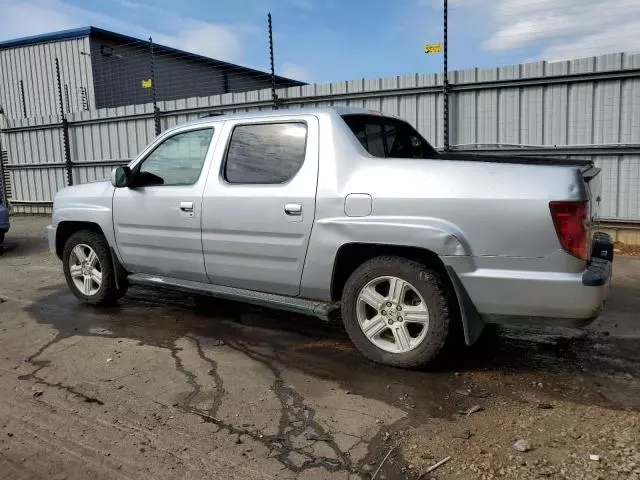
(104,142)
(556,68)
(631,60)
(486,117)
(141,133)
(609,178)
(12,67)
(510,72)
(370,103)
(337,88)
(57,149)
(430,119)
(90,81)
(582,65)
(463,118)
(532,70)
(611,61)
(555,113)
(406,81)
(629,195)
(16,185)
(389,105)
(531,108)
(630,237)
(24,73)
(509,116)
(76,139)
(30,82)
(408,106)
(630,112)
(122,132)
(5,93)
(580,126)
(73,54)
(51,106)
(607,112)
(114,141)
(484,75)
(90,141)
(20,153)
(40,87)
(40,81)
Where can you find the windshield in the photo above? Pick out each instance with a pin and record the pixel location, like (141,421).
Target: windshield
(386,137)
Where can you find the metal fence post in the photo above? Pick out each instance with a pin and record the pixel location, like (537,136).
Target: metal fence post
(5,187)
(23,99)
(154,93)
(274,95)
(65,129)
(66,98)
(445,85)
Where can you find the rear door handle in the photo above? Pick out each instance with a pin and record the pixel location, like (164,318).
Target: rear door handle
(294,209)
(186,206)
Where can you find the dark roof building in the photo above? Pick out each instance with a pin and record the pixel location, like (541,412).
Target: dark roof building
(99,68)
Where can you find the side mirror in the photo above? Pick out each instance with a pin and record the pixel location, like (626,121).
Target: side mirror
(120,177)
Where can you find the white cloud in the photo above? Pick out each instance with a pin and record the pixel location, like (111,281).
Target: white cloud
(295,72)
(23,18)
(208,39)
(565,28)
(32,17)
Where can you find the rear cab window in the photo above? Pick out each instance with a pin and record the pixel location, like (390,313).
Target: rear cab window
(386,137)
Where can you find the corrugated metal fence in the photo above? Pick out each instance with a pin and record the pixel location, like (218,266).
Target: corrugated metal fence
(584,108)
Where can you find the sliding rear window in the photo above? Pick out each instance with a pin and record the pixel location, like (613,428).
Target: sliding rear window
(386,137)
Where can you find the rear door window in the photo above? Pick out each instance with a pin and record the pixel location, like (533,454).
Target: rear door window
(386,137)
(269,153)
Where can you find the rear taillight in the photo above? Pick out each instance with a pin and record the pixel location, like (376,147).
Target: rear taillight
(570,220)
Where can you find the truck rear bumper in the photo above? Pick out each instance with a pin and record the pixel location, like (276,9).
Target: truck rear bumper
(573,299)
(536,297)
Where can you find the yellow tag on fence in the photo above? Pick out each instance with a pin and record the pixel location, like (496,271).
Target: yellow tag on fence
(432,48)
(147,83)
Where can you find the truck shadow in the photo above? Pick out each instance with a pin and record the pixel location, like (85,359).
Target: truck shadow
(582,366)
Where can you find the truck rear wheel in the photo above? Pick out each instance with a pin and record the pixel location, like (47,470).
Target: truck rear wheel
(395,311)
(88,268)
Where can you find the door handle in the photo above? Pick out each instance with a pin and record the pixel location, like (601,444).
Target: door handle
(294,209)
(186,206)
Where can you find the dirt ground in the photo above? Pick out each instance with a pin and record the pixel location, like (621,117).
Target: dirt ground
(171,386)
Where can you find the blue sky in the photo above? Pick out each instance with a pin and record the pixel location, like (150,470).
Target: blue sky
(330,40)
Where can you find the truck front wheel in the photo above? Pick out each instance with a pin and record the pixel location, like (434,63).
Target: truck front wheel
(88,268)
(396,312)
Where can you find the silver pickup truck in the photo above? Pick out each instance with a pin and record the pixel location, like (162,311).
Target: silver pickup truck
(343,213)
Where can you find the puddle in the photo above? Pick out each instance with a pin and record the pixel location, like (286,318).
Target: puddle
(159,318)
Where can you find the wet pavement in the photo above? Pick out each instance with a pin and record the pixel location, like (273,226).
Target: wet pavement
(168,385)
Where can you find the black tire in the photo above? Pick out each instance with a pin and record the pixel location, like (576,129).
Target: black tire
(108,293)
(427,283)
(1,237)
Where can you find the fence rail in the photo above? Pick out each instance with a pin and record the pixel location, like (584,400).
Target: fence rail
(587,108)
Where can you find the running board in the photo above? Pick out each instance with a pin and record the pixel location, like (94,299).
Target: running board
(322,310)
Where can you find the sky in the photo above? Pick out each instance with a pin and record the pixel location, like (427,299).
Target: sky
(332,40)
